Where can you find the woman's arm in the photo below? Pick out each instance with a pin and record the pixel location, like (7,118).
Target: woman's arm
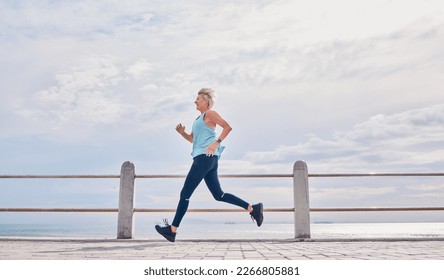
(213,119)
(181,129)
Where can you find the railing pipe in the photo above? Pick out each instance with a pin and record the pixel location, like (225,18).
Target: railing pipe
(159,210)
(376,175)
(328,175)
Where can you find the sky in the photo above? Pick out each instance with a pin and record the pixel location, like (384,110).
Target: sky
(346,86)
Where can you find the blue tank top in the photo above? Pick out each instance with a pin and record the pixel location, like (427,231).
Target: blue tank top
(203,135)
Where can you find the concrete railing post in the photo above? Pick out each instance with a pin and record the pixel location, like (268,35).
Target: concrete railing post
(126,201)
(301,201)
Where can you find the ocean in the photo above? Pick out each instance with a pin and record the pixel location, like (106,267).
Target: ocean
(232,231)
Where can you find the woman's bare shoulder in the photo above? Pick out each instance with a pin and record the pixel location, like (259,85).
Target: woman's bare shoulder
(212,113)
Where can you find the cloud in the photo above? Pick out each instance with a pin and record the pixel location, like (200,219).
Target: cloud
(120,64)
(431,191)
(350,193)
(81,96)
(140,69)
(429,195)
(407,140)
(100,92)
(424,124)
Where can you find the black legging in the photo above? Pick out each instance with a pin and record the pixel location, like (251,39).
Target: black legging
(204,167)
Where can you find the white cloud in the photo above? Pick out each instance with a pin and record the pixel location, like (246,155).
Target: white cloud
(140,69)
(411,139)
(350,193)
(421,125)
(101,92)
(303,53)
(429,195)
(81,96)
(427,187)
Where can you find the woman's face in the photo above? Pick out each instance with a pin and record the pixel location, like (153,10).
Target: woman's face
(200,102)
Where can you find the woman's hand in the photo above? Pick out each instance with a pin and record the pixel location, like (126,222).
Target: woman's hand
(180,128)
(211,149)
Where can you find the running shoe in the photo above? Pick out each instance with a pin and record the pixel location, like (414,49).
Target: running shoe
(166,231)
(258,214)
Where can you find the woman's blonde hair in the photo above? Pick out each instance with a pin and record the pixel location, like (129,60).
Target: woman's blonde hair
(208,95)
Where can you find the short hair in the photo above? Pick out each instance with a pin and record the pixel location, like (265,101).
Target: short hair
(208,95)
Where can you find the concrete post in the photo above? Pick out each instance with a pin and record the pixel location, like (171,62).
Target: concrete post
(126,202)
(301,201)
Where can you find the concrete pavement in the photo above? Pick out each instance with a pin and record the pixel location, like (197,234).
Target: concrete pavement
(112,249)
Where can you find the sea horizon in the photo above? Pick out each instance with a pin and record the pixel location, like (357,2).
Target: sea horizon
(319,230)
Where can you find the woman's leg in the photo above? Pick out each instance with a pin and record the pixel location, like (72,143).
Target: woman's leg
(212,181)
(198,170)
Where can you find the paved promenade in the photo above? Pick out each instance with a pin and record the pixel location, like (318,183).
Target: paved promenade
(112,249)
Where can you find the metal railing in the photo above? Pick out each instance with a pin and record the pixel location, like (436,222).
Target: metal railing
(301,207)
